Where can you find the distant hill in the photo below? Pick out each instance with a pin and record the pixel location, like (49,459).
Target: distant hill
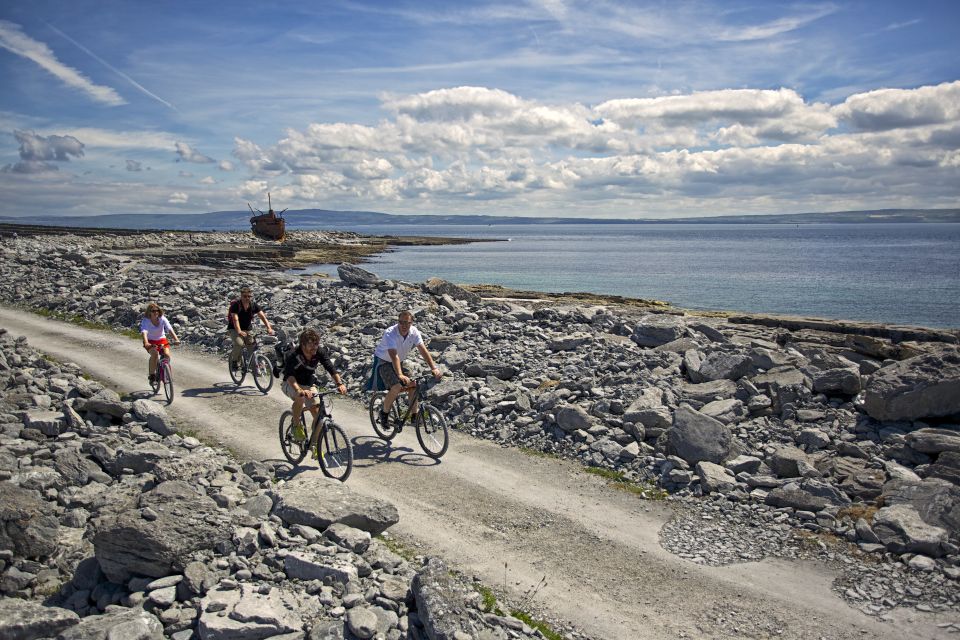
(327,219)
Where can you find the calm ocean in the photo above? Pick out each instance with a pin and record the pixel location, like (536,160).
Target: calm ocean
(893,273)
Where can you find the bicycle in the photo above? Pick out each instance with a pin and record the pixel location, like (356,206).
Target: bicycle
(254,361)
(432,432)
(332,449)
(163,377)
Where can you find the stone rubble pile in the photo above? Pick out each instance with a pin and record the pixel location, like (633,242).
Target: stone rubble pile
(113,525)
(846,436)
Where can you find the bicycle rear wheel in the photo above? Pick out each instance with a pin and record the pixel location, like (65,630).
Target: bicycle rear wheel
(334,451)
(262,372)
(385,431)
(432,431)
(240,372)
(166,372)
(294,449)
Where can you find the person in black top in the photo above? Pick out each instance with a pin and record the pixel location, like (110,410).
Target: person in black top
(299,376)
(239,318)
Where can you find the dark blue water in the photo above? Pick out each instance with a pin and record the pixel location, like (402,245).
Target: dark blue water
(893,273)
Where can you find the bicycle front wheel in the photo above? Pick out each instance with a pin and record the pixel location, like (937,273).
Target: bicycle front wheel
(167,373)
(334,451)
(294,448)
(238,373)
(385,431)
(432,431)
(262,372)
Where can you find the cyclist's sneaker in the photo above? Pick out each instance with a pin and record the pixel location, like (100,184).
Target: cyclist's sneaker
(152,378)
(234,366)
(384,419)
(298,433)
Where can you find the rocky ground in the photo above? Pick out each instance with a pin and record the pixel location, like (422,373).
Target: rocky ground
(773,437)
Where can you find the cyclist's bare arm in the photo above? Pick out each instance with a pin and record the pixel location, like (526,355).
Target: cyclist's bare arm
(266,323)
(429,360)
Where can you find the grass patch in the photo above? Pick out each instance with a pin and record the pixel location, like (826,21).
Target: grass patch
(547,384)
(857,511)
(646,490)
(395,546)
(489,600)
(80,321)
(542,627)
(536,453)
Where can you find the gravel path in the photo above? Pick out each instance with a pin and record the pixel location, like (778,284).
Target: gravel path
(512,519)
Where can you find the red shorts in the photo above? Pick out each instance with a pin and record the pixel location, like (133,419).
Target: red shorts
(162,342)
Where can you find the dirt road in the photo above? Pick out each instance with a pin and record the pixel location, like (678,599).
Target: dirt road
(507,517)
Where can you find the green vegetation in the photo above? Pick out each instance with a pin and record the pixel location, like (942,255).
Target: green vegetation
(647,490)
(80,321)
(536,453)
(542,627)
(397,547)
(489,600)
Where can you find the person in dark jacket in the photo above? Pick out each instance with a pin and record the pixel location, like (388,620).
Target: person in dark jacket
(299,376)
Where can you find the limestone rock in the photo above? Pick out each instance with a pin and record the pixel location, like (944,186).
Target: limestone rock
(696,437)
(924,386)
(352,274)
(320,502)
(902,530)
(25,620)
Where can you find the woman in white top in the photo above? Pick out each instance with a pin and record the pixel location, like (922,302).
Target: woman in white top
(153,329)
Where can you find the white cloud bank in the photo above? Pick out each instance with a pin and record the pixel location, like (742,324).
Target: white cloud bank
(736,150)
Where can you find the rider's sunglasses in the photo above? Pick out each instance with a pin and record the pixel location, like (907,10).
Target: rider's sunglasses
(405,322)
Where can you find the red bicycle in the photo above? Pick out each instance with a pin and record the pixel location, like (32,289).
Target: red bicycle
(164,377)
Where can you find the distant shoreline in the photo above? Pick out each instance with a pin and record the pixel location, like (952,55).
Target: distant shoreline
(314,219)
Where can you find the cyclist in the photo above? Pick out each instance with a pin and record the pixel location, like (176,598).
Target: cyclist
(397,342)
(153,329)
(299,376)
(239,318)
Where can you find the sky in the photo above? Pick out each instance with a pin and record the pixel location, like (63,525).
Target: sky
(594,108)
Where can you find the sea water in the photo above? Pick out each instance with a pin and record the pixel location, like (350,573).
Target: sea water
(892,273)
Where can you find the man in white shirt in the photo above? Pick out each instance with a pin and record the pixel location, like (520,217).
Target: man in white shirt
(397,342)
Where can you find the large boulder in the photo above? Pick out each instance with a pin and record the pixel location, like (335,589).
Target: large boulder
(440,287)
(352,274)
(320,502)
(573,417)
(27,526)
(25,620)
(696,437)
(936,500)
(724,365)
(180,522)
(444,605)
(118,623)
(655,330)
(933,440)
(925,386)
(247,614)
(902,530)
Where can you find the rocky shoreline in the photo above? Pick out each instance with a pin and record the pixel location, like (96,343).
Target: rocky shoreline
(778,437)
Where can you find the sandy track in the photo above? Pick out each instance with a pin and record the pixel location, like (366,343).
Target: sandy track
(507,517)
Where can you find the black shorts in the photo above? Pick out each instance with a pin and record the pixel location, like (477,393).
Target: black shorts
(387,374)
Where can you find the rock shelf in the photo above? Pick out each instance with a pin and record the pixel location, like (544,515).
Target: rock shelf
(771,437)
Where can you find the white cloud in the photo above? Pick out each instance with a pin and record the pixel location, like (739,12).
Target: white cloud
(14,40)
(225,165)
(886,109)
(465,145)
(178,197)
(208,180)
(186,153)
